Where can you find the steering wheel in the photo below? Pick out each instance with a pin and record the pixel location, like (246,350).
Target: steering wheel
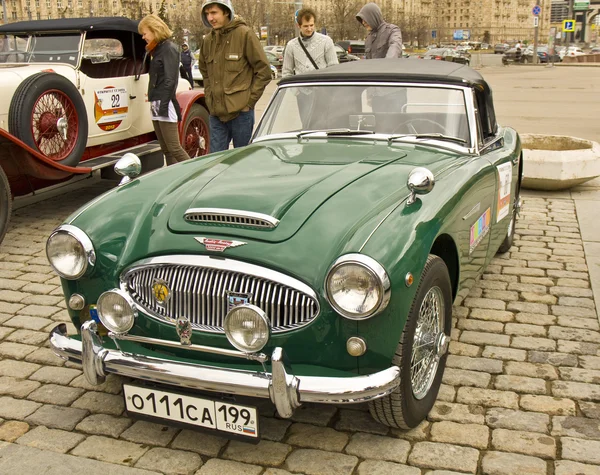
(425,129)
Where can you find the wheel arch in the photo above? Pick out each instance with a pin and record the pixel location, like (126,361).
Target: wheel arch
(186,100)
(445,248)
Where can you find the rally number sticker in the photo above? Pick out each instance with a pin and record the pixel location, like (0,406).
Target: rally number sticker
(111,106)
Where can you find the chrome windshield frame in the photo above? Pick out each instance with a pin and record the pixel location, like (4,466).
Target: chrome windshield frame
(472,148)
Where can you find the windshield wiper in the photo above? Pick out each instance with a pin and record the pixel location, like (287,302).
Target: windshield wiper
(349,132)
(333,132)
(428,136)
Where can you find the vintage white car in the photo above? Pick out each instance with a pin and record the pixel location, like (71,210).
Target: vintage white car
(74,99)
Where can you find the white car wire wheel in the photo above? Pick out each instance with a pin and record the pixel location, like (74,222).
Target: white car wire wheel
(48,114)
(422,351)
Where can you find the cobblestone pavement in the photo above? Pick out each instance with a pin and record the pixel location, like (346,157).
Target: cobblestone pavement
(521,392)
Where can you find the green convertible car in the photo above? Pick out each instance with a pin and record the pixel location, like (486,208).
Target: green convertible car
(318,264)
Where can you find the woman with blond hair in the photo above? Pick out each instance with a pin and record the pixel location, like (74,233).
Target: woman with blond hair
(164,75)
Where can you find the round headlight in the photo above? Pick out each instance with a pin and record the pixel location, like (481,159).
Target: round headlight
(357,286)
(116,310)
(247,328)
(70,252)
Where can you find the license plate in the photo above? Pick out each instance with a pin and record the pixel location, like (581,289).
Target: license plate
(192,410)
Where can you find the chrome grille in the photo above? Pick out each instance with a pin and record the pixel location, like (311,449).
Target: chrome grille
(230,217)
(199,285)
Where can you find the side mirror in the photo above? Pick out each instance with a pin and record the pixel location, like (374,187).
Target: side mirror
(129,166)
(420,182)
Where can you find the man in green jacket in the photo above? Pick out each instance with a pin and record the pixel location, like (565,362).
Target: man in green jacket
(235,71)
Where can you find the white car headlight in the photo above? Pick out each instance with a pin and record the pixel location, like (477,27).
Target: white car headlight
(247,328)
(70,252)
(357,286)
(116,310)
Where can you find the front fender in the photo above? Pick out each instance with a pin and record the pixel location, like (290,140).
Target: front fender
(20,160)
(186,100)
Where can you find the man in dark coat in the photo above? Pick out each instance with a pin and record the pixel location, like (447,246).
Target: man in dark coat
(186,61)
(384,39)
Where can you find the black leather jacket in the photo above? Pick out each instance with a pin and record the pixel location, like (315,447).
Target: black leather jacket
(164,76)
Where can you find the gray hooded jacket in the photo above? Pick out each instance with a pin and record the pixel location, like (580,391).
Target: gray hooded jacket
(385,39)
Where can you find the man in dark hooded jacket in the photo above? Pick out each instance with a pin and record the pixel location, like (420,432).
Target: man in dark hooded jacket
(384,39)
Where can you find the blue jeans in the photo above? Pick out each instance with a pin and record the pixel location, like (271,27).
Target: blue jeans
(239,130)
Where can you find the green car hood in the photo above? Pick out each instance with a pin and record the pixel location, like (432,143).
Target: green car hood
(287,181)
(328,206)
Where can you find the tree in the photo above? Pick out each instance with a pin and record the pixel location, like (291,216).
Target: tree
(487,37)
(163,13)
(341,19)
(132,8)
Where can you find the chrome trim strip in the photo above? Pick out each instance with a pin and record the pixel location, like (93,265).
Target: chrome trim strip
(260,357)
(286,390)
(269,221)
(371,265)
(86,243)
(223,264)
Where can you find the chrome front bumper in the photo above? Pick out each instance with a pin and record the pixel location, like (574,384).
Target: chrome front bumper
(282,387)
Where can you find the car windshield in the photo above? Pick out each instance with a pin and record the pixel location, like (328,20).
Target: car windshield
(40,48)
(389,110)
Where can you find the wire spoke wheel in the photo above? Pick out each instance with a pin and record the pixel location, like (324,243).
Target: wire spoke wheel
(196,138)
(421,352)
(54,124)
(425,355)
(195,141)
(48,114)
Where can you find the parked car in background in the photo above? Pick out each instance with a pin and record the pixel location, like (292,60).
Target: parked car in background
(449,54)
(544,55)
(197,75)
(595,50)
(319,264)
(355,47)
(343,56)
(275,49)
(485,46)
(74,101)
(501,48)
(574,51)
(275,61)
(274,72)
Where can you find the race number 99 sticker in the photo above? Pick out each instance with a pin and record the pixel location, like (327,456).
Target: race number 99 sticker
(504,182)
(111,106)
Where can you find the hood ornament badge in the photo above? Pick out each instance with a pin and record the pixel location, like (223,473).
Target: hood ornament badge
(218,245)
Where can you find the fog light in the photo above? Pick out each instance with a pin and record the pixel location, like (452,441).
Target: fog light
(116,310)
(247,328)
(356,346)
(76,302)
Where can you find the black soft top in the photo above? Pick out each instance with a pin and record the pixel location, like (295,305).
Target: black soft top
(401,69)
(72,24)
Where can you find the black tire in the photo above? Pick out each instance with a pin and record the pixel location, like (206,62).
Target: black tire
(403,408)
(196,132)
(38,104)
(5,204)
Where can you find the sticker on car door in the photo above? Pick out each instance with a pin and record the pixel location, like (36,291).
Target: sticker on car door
(479,229)
(111,106)
(504,182)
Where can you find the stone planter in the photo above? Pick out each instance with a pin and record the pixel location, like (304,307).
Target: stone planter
(558,162)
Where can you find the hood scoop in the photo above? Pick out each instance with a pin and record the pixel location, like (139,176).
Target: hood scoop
(230,217)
